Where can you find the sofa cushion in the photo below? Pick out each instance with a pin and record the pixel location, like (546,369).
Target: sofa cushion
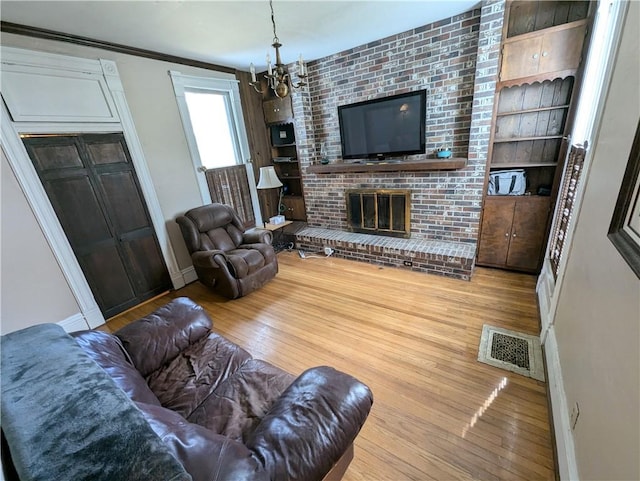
(238,403)
(205,455)
(158,338)
(65,419)
(266,250)
(245,261)
(106,350)
(217,239)
(190,377)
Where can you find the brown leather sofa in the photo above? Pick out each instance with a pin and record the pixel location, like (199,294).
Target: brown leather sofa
(223,414)
(226,258)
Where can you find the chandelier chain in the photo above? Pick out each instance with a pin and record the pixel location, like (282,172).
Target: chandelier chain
(273,22)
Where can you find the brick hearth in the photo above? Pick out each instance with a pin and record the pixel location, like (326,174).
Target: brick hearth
(452,259)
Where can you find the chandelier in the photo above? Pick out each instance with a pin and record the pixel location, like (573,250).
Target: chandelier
(278,78)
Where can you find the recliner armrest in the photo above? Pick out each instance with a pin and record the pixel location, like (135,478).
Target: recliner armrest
(213,258)
(314,422)
(257,236)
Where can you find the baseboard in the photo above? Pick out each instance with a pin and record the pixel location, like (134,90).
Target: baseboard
(76,322)
(189,275)
(567,465)
(177,280)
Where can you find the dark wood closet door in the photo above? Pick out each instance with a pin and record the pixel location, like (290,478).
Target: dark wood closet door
(92,185)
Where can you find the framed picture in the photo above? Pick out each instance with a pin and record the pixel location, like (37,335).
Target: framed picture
(624,230)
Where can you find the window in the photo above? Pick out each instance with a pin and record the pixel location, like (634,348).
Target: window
(211,117)
(213,124)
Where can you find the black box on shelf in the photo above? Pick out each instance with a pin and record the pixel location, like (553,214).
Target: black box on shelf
(282,135)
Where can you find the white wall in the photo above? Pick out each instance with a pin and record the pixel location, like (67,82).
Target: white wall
(34,290)
(597,323)
(153,106)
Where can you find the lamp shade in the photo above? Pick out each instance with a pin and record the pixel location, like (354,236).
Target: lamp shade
(268,178)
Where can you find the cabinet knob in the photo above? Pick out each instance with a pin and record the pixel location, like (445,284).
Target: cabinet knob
(544,54)
(535,55)
(514,234)
(507,234)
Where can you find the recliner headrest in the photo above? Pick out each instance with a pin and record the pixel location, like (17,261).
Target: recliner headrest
(209,217)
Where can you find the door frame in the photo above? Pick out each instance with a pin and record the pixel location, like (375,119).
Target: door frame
(548,287)
(35,194)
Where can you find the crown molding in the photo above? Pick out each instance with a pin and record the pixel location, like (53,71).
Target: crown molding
(26,30)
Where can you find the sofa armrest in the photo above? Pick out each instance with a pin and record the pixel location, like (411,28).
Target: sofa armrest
(314,422)
(257,236)
(65,419)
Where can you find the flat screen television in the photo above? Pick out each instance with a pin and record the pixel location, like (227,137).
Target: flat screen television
(385,127)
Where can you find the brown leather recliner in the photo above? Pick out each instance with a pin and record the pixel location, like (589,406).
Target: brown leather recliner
(226,258)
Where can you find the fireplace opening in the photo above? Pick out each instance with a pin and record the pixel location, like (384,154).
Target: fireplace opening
(379,211)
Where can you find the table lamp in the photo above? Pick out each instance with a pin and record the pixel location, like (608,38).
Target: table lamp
(269,180)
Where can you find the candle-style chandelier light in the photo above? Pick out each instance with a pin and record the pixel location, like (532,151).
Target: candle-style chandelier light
(278,78)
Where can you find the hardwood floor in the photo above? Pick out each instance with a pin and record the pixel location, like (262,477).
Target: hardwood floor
(413,338)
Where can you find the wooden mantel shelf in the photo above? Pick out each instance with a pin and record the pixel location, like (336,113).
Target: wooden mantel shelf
(389,166)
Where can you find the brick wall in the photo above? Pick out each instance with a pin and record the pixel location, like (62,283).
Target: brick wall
(456,61)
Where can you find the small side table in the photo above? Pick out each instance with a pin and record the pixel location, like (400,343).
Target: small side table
(278,242)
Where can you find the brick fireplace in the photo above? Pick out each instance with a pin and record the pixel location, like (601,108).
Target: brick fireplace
(456,61)
(379,211)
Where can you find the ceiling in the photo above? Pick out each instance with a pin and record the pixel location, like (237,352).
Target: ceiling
(233,33)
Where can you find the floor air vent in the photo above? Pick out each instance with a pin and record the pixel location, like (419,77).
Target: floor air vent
(513,351)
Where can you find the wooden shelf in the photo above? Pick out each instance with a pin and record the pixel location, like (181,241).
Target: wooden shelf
(390,166)
(273,227)
(521,165)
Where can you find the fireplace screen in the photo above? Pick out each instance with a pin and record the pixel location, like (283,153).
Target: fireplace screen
(383,212)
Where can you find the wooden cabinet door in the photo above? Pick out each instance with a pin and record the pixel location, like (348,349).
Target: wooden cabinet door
(521,58)
(294,208)
(496,230)
(562,49)
(277,111)
(553,50)
(94,190)
(528,232)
